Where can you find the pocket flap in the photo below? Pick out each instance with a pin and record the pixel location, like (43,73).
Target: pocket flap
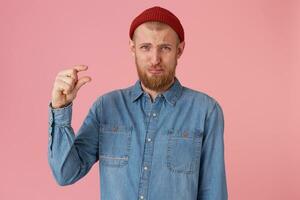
(185,133)
(115,128)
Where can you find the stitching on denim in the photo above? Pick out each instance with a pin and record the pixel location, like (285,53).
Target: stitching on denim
(111,160)
(114,158)
(196,157)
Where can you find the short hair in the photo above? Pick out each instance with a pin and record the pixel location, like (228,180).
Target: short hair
(156,25)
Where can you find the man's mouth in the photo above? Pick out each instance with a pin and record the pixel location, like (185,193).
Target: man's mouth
(156,71)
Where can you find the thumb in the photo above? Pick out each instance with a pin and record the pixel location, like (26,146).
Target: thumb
(81,82)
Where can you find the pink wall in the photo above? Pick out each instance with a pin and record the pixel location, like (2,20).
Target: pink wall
(243,53)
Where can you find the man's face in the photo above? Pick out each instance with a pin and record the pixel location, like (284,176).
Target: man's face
(156,53)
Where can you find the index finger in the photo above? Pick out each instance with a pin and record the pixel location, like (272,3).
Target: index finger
(79,68)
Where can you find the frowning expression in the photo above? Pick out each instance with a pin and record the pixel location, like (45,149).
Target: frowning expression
(156,48)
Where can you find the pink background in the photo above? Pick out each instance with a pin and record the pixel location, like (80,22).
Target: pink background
(243,53)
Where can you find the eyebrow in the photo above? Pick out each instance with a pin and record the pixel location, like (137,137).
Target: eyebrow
(163,44)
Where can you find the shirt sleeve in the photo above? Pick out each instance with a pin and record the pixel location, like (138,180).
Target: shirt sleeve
(71,157)
(212,175)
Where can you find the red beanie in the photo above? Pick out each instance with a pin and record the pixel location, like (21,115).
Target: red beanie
(160,14)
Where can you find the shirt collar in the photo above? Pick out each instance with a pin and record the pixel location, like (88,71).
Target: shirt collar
(171,95)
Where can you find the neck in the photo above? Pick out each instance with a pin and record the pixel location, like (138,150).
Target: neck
(153,93)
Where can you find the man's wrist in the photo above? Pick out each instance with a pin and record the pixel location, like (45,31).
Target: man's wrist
(60,116)
(59,107)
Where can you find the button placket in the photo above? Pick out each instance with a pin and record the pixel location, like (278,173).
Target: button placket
(152,112)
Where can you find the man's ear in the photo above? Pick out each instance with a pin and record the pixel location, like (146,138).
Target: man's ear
(180,49)
(132,47)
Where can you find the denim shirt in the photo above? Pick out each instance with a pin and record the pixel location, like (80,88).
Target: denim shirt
(171,148)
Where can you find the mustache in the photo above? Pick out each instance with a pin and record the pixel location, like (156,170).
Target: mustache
(156,67)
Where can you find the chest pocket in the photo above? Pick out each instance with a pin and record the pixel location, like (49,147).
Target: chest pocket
(114,144)
(184,150)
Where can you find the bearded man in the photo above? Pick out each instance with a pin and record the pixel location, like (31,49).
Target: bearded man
(154,140)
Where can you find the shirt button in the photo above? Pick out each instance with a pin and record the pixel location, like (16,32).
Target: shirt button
(154,114)
(145,168)
(149,139)
(141,197)
(114,129)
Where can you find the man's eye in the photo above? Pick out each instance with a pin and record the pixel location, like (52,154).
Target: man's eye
(144,47)
(167,48)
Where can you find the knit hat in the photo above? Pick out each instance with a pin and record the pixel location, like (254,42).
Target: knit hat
(160,14)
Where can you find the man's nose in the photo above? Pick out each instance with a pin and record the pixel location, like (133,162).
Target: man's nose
(155,57)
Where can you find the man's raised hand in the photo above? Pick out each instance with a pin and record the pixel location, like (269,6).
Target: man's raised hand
(67,84)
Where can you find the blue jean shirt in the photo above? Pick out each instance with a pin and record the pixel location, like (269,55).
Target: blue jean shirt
(171,148)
